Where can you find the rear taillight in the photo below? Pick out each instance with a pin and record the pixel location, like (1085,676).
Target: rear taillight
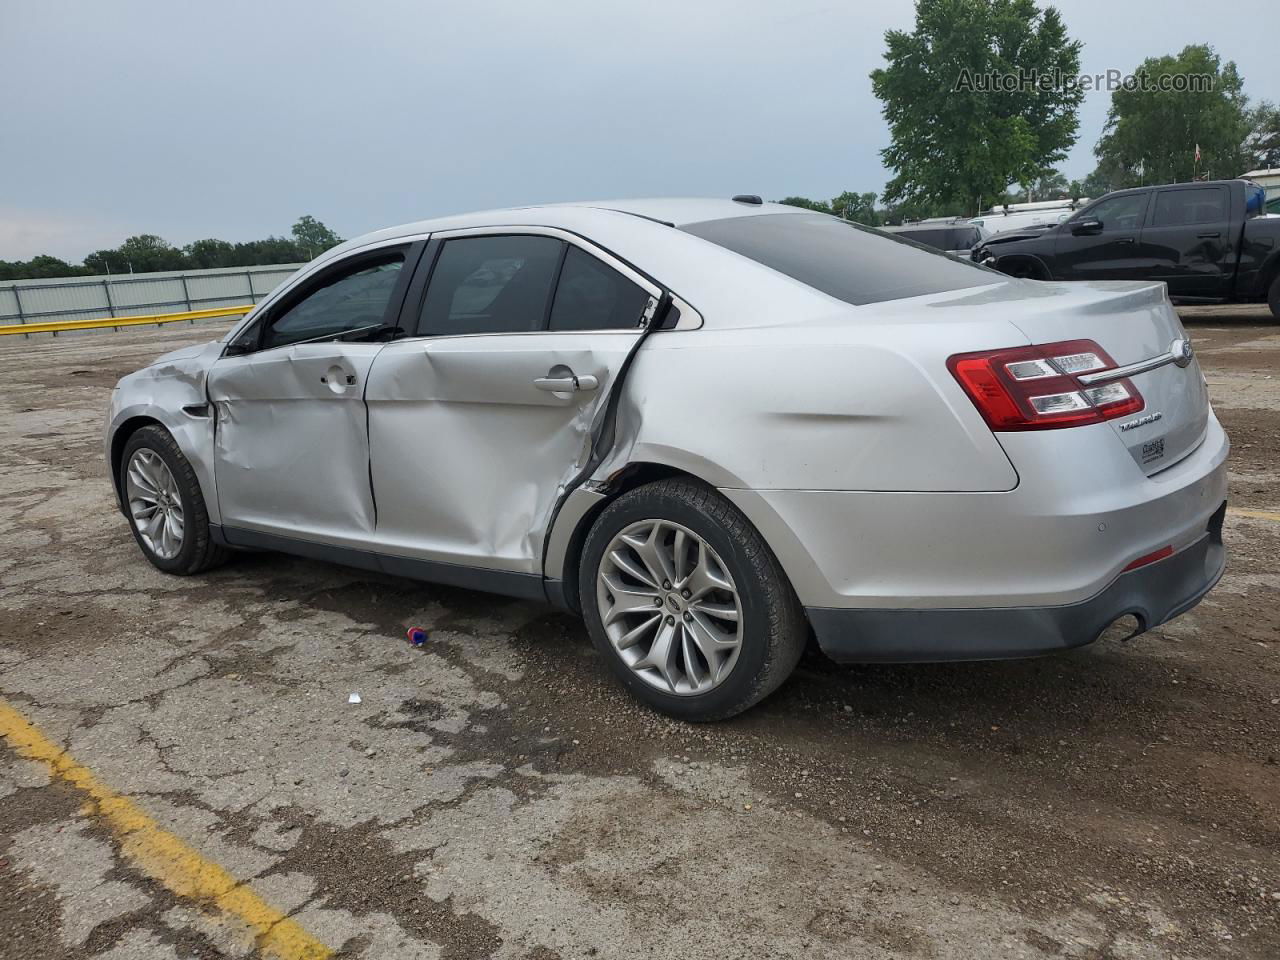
(1035,388)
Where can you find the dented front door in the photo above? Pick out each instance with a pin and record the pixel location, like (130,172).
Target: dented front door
(292,441)
(473,439)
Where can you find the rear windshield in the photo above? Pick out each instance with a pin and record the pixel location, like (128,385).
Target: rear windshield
(844,260)
(943,238)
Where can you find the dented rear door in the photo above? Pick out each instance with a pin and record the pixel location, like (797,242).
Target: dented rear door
(469,454)
(478,426)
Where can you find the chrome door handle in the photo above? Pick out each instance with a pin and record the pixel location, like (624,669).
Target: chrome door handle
(566,384)
(1124,239)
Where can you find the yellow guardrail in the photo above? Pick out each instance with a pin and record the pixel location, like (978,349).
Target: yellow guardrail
(57,326)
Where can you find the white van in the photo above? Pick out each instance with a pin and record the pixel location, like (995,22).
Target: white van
(1019,216)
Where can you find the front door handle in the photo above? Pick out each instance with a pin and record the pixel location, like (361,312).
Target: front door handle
(567,384)
(1208,236)
(1124,239)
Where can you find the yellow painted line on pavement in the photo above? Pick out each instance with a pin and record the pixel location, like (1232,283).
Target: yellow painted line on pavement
(1259,514)
(163,856)
(56,326)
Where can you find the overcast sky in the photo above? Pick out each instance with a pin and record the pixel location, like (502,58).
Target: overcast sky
(231,119)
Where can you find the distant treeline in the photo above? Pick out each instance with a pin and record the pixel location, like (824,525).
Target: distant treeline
(146,253)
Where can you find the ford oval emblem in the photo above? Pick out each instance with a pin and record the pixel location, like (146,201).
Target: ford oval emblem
(1182,351)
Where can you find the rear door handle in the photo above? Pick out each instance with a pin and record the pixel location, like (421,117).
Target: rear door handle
(1124,239)
(566,384)
(1208,236)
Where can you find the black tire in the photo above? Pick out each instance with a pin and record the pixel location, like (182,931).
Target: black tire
(1025,269)
(1273,298)
(774,627)
(198,552)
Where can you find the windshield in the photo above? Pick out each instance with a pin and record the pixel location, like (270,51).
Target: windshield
(844,260)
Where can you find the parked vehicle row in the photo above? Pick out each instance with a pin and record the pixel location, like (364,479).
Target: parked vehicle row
(714,428)
(1209,242)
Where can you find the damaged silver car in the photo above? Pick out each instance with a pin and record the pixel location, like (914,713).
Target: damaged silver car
(715,428)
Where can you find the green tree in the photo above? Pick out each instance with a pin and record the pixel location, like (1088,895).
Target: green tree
(144,253)
(40,267)
(1048,185)
(1104,178)
(313,236)
(1262,143)
(270,250)
(1151,135)
(207,254)
(858,207)
(820,205)
(956,141)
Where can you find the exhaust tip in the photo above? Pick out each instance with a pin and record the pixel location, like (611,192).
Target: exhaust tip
(1124,628)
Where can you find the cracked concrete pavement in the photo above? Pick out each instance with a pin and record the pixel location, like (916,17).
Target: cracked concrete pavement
(496,795)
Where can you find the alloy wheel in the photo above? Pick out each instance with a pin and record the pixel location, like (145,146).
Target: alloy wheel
(154,503)
(669,607)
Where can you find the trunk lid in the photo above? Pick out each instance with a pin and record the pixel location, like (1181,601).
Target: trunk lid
(1132,321)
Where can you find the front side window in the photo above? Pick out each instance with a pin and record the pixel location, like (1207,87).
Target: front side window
(491,285)
(844,260)
(350,303)
(594,296)
(1118,213)
(1179,208)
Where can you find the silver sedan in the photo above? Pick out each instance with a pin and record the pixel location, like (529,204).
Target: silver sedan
(717,429)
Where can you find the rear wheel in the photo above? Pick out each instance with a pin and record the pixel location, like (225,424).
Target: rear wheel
(687,603)
(1273,298)
(164,504)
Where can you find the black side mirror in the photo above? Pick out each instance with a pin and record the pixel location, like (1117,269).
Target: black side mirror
(247,342)
(1089,227)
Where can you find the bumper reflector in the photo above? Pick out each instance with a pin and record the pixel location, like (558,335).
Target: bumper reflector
(1152,557)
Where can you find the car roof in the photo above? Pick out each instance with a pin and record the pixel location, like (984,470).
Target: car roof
(672,211)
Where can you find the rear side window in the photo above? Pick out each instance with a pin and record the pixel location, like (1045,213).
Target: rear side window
(594,296)
(844,260)
(1176,208)
(490,285)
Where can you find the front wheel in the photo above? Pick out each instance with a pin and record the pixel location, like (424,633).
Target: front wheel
(165,506)
(687,603)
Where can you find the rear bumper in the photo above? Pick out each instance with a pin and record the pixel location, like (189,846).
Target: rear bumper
(1154,594)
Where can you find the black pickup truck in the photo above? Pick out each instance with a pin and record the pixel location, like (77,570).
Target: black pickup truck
(1211,242)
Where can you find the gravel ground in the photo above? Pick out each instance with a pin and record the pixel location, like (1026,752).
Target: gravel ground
(496,795)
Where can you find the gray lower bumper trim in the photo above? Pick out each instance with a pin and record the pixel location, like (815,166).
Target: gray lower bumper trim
(1154,594)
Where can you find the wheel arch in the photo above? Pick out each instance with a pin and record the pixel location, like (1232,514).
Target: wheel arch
(191,428)
(565,542)
(1014,261)
(1268,275)
(119,438)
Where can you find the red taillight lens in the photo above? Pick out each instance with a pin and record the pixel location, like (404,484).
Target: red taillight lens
(1035,388)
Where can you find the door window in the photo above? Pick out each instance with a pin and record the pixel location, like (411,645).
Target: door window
(491,285)
(593,296)
(1118,213)
(1176,208)
(347,303)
